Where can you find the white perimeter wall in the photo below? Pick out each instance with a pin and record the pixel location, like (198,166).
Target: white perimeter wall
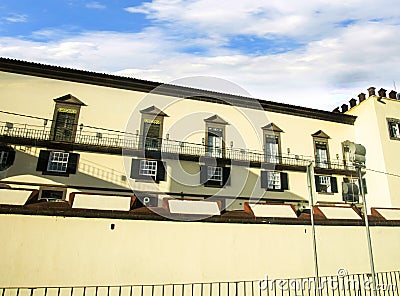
(70,251)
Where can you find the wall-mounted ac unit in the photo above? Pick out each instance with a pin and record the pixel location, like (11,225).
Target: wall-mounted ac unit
(350,192)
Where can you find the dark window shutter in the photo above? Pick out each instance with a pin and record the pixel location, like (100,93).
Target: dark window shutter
(135,168)
(203,174)
(334,186)
(226,176)
(73,160)
(43,160)
(364,185)
(10,158)
(264,179)
(317,185)
(284,181)
(161,166)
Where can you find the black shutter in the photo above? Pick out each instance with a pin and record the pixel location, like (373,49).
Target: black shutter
(364,185)
(73,160)
(264,179)
(226,176)
(10,158)
(317,185)
(135,168)
(43,160)
(334,186)
(203,174)
(284,181)
(161,166)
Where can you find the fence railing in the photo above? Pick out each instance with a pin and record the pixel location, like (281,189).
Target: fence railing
(338,285)
(135,142)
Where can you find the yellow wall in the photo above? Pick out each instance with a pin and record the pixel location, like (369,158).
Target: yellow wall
(118,109)
(66,251)
(382,153)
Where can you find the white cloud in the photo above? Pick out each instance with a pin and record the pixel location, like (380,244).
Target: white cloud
(335,63)
(16,18)
(95,5)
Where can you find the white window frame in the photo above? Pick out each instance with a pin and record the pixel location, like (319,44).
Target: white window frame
(214,142)
(272,148)
(214,173)
(325,181)
(322,154)
(274,180)
(395,128)
(3,158)
(58,162)
(148,168)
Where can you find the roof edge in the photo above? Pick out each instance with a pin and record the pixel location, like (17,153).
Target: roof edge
(108,80)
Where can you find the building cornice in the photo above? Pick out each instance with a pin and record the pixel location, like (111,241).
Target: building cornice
(107,80)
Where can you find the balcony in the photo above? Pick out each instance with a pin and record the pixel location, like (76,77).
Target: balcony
(113,142)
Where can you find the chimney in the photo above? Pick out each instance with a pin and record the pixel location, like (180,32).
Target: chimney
(361,97)
(336,110)
(393,94)
(345,108)
(353,103)
(371,91)
(382,93)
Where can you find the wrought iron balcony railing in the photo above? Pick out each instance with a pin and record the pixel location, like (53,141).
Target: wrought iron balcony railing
(135,142)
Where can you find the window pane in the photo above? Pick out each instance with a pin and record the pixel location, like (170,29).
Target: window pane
(325,183)
(272,149)
(214,142)
(274,180)
(214,173)
(148,168)
(58,162)
(322,154)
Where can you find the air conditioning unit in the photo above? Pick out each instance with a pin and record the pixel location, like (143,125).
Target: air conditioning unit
(350,192)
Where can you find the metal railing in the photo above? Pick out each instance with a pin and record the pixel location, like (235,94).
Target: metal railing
(338,285)
(135,142)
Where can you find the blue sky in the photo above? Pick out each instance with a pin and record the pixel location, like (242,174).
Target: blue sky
(316,53)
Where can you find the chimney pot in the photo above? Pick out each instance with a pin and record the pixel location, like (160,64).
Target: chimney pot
(371,91)
(361,97)
(345,108)
(382,93)
(393,94)
(353,103)
(336,110)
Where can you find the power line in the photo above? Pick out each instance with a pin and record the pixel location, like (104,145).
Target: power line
(380,172)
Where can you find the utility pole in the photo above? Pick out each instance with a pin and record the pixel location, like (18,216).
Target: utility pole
(357,154)
(311,193)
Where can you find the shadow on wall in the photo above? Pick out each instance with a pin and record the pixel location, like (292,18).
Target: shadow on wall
(25,164)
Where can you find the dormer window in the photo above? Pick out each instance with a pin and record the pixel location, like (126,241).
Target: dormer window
(65,118)
(321,149)
(152,128)
(272,143)
(215,136)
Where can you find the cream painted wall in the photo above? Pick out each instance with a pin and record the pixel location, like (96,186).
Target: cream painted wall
(115,109)
(67,251)
(382,153)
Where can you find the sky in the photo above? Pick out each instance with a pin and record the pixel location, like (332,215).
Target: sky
(314,53)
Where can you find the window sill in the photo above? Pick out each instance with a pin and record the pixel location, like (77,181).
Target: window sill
(326,193)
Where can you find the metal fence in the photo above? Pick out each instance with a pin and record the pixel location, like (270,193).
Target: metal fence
(134,142)
(338,285)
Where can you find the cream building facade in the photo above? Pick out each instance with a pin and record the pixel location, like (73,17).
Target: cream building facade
(82,152)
